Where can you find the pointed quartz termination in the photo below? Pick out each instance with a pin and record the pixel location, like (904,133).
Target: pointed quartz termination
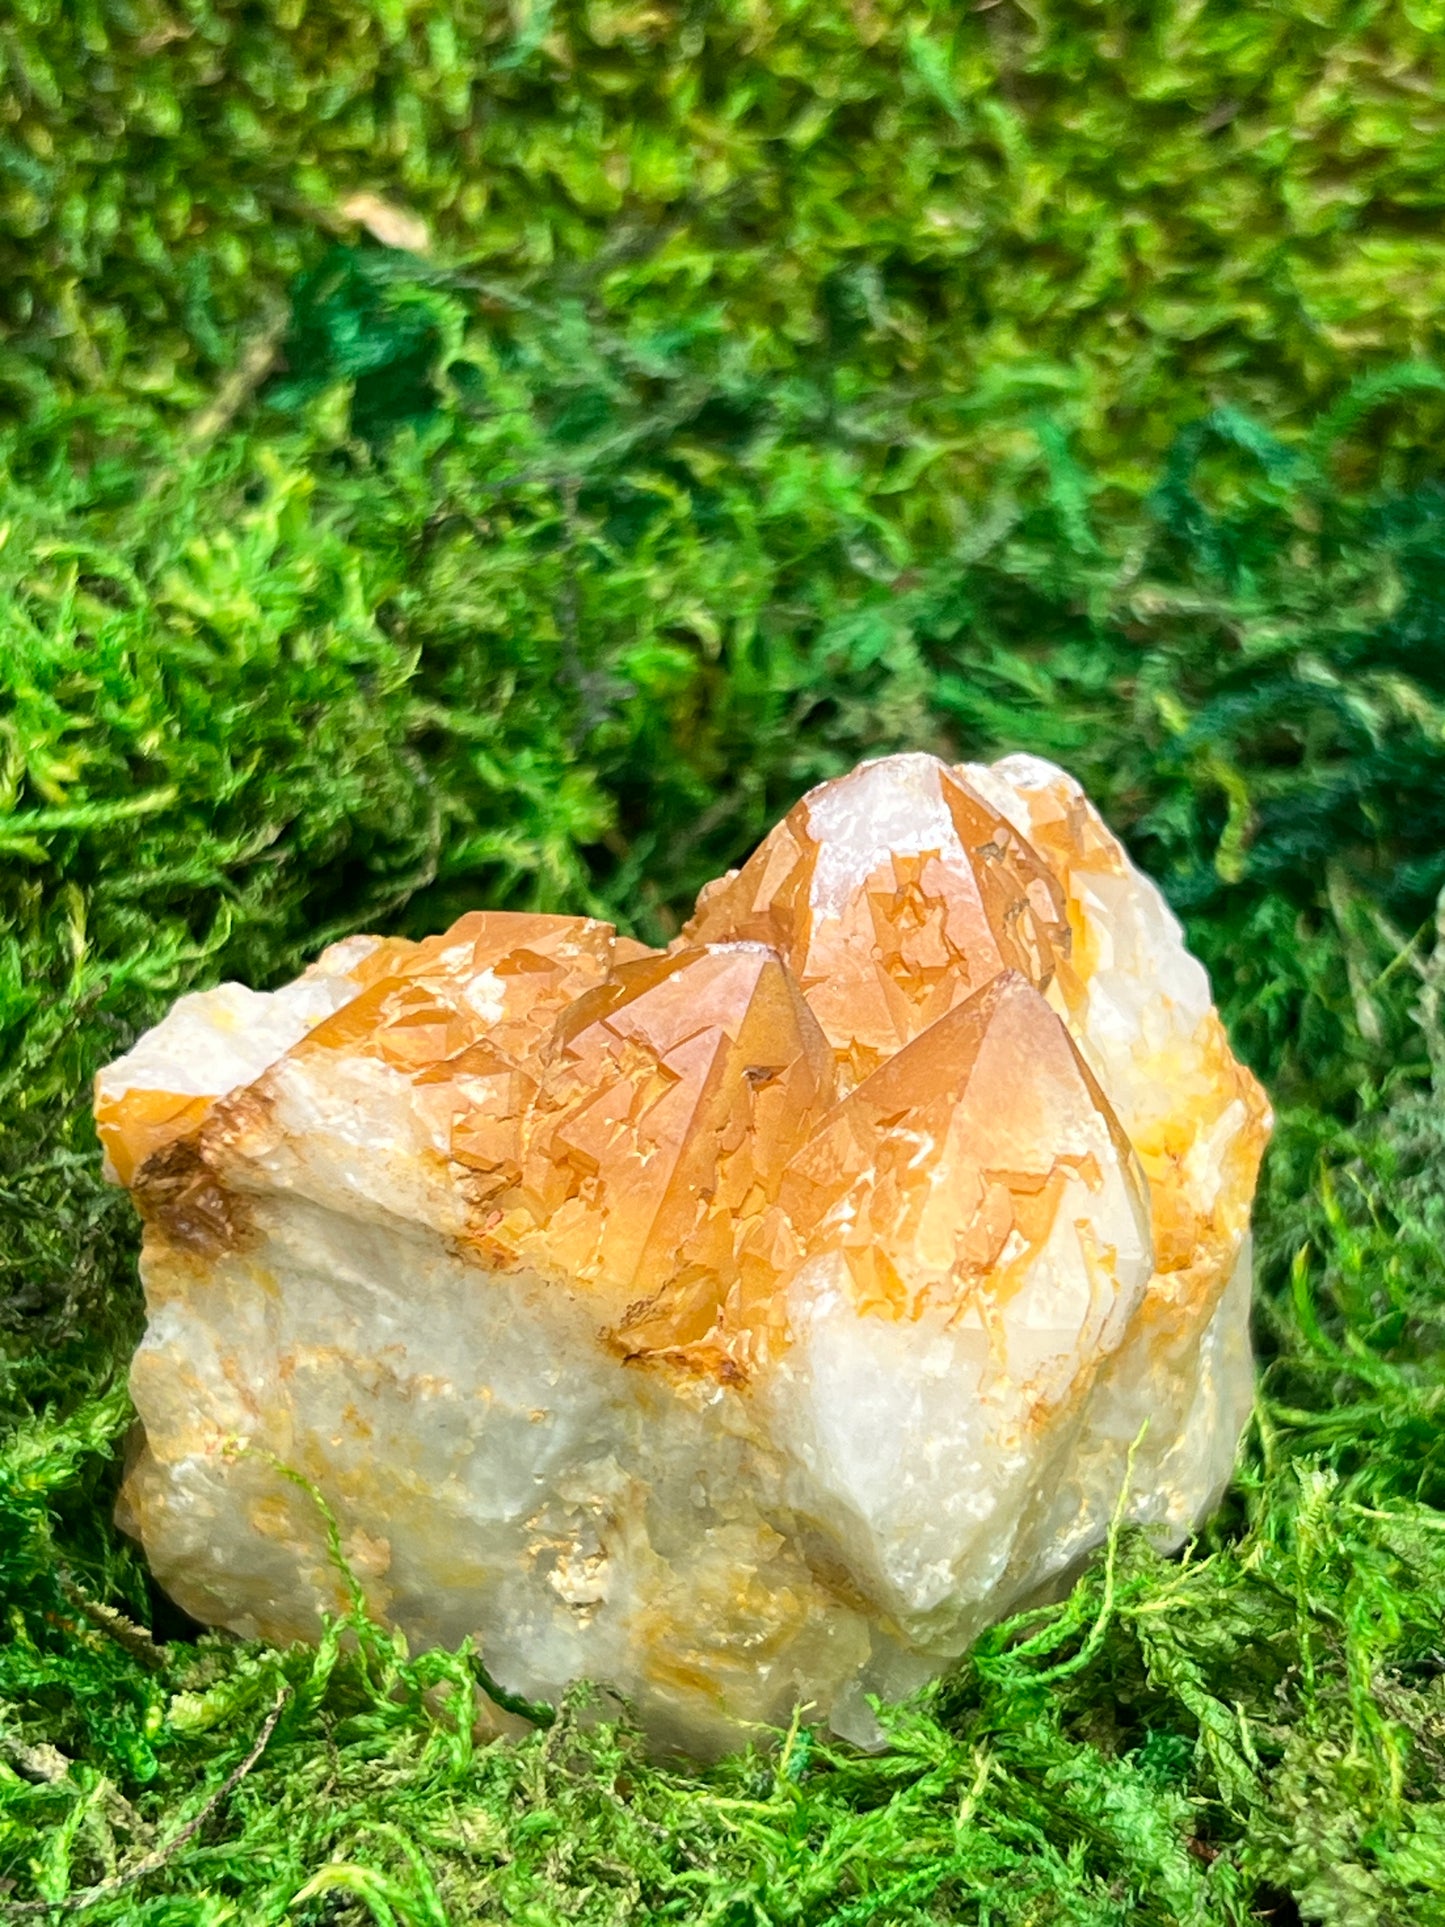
(973,1206)
(742,1325)
(675,1097)
(892,894)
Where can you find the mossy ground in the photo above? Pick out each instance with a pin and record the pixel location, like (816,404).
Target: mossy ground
(782,384)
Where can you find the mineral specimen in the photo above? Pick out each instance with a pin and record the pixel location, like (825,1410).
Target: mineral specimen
(743,1324)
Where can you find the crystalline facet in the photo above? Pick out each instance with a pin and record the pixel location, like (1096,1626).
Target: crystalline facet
(892,894)
(740,1324)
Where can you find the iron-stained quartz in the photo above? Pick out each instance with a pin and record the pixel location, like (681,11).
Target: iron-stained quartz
(740,1324)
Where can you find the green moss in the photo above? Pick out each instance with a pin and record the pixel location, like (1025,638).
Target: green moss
(782,388)
(1137,212)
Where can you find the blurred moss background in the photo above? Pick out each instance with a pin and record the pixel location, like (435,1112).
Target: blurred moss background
(457,453)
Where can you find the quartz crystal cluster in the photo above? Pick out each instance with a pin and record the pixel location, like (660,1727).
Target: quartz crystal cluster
(742,1324)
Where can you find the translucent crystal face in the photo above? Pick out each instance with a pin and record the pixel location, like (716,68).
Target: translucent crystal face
(740,1323)
(892,894)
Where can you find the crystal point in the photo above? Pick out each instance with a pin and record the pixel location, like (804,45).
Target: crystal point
(742,1324)
(892,893)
